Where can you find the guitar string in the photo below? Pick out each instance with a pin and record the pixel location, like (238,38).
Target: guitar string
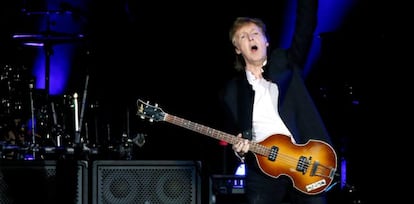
(321,170)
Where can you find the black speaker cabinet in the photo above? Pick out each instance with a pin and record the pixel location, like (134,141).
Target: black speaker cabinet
(43,182)
(146,181)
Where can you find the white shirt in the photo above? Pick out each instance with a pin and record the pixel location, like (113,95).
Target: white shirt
(266,118)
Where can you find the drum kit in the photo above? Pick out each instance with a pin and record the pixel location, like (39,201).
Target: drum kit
(37,125)
(33,123)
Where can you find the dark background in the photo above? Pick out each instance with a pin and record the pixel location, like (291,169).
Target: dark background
(178,55)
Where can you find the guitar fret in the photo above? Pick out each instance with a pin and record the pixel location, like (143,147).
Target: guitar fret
(201,129)
(255,147)
(315,167)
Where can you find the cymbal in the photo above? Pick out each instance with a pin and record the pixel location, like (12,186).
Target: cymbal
(50,37)
(47,12)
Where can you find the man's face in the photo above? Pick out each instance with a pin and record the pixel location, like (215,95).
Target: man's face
(251,42)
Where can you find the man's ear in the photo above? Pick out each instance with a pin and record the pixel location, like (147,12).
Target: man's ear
(237,50)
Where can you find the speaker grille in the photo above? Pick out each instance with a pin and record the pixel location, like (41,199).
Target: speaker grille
(43,182)
(123,182)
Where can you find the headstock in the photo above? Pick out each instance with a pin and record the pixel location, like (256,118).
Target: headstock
(150,112)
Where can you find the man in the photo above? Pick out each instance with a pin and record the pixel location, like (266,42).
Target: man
(268,97)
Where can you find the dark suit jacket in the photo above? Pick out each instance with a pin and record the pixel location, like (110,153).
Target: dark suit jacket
(285,67)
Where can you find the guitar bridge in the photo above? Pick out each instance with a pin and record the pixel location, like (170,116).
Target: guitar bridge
(273,153)
(303,164)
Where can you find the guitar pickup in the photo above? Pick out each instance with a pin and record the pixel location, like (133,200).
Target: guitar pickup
(303,164)
(273,153)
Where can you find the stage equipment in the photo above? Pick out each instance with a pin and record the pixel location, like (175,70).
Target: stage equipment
(145,181)
(48,181)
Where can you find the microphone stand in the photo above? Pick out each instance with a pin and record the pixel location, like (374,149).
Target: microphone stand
(32,115)
(79,119)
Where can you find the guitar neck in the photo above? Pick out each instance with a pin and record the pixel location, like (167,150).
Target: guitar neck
(216,134)
(311,166)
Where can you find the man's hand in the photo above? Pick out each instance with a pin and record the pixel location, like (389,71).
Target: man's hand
(241,147)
